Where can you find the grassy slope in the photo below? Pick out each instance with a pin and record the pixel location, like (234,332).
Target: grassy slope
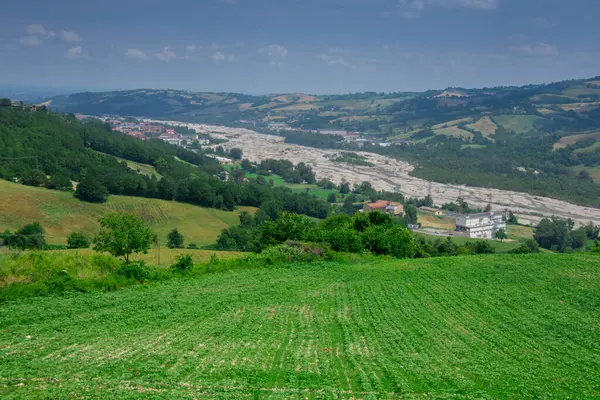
(516,123)
(487,327)
(60,214)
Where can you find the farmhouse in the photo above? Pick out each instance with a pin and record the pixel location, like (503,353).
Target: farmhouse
(384,206)
(482,225)
(431,210)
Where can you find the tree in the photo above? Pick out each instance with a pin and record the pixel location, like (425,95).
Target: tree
(410,214)
(331,198)
(345,188)
(596,248)
(236,154)
(501,234)
(78,241)
(512,218)
(92,191)
(31,236)
(557,234)
(123,235)
(175,240)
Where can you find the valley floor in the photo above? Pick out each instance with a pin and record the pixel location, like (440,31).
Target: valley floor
(393,175)
(485,327)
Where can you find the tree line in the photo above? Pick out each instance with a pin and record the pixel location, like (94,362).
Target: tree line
(72,153)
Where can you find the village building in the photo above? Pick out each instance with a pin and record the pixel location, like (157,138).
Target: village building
(385,206)
(431,210)
(482,225)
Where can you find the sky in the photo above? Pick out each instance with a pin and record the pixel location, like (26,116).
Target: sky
(309,46)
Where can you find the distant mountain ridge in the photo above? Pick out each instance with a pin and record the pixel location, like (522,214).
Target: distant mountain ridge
(575,103)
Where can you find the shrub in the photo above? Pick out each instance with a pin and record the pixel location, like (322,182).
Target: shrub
(184,263)
(175,240)
(78,241)
(92,191)
(530,246)
(137,270)
(192,246)
(345,240)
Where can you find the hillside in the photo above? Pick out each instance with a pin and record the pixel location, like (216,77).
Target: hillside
(487,327)
(40,148)
(60,214)
(529,139)
(572,105)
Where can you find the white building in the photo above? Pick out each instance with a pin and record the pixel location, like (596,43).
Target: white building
(483,225)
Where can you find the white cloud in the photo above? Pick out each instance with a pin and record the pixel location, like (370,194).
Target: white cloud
(75,53)
(539,49)
(135,54)
(71,37)
(275,52)
(414,8)
(166,54)
(333,60)
(543,23)
(191,48)
(32,41)
(335,57)
(36,29)
(220,56)
(35,34)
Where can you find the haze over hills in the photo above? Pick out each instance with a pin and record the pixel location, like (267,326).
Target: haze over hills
(562,106)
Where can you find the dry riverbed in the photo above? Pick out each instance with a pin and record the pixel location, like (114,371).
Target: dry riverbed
(393,175)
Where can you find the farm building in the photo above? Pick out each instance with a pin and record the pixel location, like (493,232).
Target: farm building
(482,225)
(431,210)
(385,206)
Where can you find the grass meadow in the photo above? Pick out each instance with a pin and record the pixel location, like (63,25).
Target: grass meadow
(479,327)
(60,214)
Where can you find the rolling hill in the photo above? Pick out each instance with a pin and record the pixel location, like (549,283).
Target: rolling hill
(486,327)
(562,106)
(60,214)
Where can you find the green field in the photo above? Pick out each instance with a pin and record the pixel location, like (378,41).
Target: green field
(516,123)
(593,171)
(454,131)
(60,214)
(483,327)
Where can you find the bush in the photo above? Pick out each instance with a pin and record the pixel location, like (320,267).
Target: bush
(345,240)
(78,241)
(192,246)
(175,240)
(92,191)
(137,270)
(30,236)
(480,247)
(530,246)
(184,263)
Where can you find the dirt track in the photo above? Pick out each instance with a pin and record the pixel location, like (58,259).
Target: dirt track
(393,175)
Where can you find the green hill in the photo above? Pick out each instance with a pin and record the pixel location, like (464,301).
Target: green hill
(502,137)
(60,214)
(485,327)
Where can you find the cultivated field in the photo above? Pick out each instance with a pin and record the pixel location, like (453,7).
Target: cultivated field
(566,141)
(516,123)
(454,131)
(60,214)
(485,125)
(484,327)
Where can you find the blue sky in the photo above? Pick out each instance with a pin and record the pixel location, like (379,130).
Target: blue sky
(314,46)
